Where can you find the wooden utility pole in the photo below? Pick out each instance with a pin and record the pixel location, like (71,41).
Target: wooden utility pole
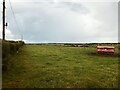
(4,20)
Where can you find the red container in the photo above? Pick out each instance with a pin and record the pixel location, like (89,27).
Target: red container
(105,49)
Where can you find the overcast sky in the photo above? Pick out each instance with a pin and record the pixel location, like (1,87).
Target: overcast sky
(62,21)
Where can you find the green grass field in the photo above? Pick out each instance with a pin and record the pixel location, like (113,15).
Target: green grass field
(55,66)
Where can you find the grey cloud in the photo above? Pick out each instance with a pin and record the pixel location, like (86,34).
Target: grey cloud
(119,21)
(46,22)
(76,7)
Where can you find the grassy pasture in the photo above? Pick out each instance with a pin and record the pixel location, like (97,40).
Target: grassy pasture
(55,66)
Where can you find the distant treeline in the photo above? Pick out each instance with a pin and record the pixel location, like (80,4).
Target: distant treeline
(92,44)
(70,43)
(10,47)
(77,44)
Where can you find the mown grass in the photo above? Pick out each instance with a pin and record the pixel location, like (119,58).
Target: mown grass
(54,66)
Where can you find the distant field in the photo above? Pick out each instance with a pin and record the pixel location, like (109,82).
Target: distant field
(55,66)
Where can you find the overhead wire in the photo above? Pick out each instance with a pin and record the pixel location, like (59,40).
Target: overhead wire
(19,30)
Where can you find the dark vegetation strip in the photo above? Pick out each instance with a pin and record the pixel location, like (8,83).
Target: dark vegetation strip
(9,48)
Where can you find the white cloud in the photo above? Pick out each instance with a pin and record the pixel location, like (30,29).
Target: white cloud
(8,33)
(58,22)
(0,31)
(64,1)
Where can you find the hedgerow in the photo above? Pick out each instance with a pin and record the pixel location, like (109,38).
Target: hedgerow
(9,48)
